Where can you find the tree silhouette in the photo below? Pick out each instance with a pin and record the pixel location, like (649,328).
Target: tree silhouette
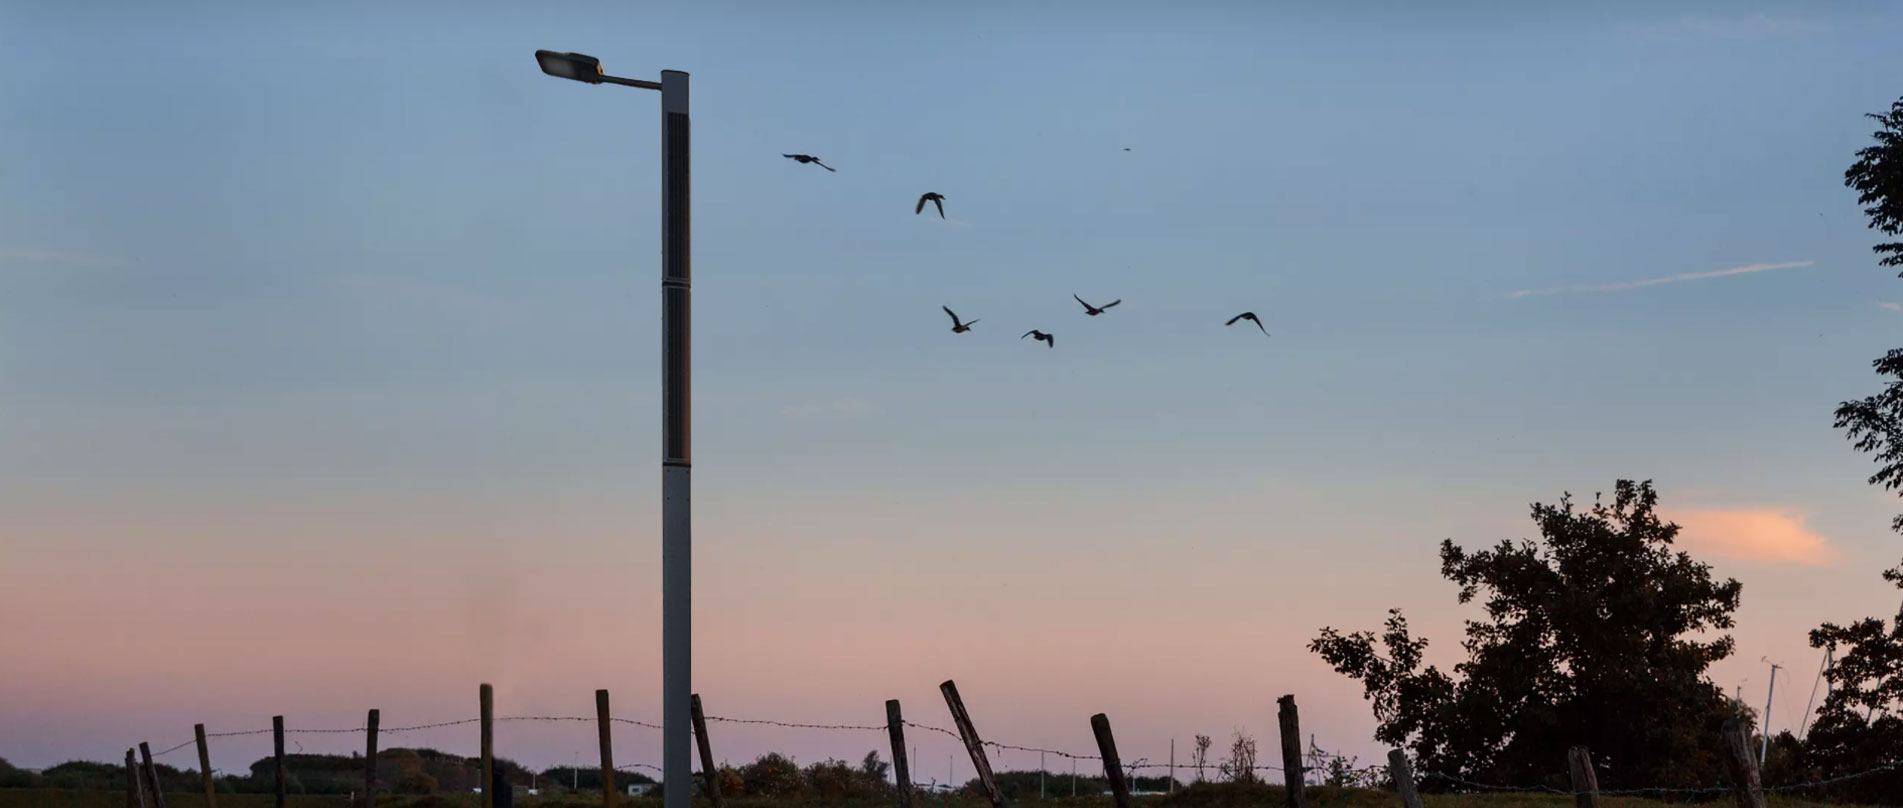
(1877,177)
(1590,637)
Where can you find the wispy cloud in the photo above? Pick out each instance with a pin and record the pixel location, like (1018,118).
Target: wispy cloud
(1681,277)
(1891,306)
(24,256)
(1772,535)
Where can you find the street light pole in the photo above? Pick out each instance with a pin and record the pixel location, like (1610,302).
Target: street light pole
(677,601)
(677,544)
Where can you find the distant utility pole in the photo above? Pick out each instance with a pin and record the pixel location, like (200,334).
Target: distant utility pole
(1822,672)
(1764,732)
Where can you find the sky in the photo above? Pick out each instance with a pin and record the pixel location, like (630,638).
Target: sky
(330,371)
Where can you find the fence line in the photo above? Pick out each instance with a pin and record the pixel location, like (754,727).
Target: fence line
(1894,765)
(1315,751)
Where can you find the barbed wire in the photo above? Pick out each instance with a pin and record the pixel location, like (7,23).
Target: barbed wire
(789,725)
(175,748)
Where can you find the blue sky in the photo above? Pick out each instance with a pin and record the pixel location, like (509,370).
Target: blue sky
(364,269)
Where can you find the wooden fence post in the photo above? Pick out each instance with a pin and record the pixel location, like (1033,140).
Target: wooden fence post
(1742,766)
(1585,780)
(606,730)
(370,757)
(1112,767)
(277,756)
(709,776)
(135,782)
(1403,775)
(204,766)
(486,695)
(152,775)
(973,744)
(901,770)
(1292,774)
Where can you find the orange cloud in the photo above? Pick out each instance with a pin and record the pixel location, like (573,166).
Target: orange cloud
(1775,535)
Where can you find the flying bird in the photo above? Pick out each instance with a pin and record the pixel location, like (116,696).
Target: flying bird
(1250,316)
(933,197)
(807,158)
(959,327)
(1096,310)
(1048,340)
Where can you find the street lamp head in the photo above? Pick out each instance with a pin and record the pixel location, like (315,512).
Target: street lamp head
(570,66)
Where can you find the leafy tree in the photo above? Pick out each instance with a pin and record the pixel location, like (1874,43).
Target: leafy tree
(1860,725)
(1591,636)
(1857,727)
(1877,177)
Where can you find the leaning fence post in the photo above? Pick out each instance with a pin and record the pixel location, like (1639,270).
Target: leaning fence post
(370,758)
(1403,779)
(709,775)
(1585,780)
(135,782)
(973,744)
(1742,766)
(901,771)
(204,766)
(277,756)
(152,774)
(1112,767)
(486,696)
(607,749)
(1292,774)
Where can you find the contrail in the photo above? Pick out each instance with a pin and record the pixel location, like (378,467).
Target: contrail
(1683,276)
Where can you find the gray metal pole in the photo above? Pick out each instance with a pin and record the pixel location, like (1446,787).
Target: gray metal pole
(677,600)
(1764,731)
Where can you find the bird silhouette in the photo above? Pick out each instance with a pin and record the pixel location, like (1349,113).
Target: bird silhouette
(1250,316)
(807,158)
(933,197)
(1096,310)
(959,327)
(1048,340)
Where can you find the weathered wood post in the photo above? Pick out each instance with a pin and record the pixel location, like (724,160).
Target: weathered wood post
(1742,766)
(370,757)
(152,775)
(901,769)
(1292,774)
(1585,780)
(1112,766)
(135,782)
(1403,775)
(709,776)
(204,766)
(277,757)
(973,744)
(606,730)
(486,696)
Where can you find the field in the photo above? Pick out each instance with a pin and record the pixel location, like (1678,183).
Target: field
(1266,798)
